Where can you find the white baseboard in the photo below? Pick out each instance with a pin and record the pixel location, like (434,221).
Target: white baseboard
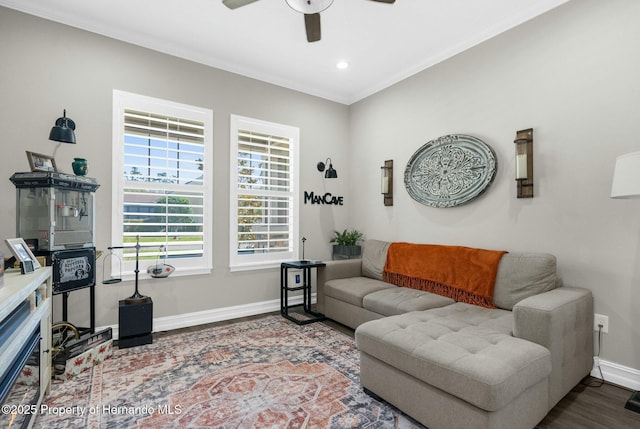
(618,374)
(216,315)
(612,372)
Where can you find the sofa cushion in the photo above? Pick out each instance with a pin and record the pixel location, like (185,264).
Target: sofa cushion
(399,300)
(456,349)
(521,275)
(353,290)
(374,256)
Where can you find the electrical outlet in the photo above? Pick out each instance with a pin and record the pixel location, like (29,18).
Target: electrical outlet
(599,319)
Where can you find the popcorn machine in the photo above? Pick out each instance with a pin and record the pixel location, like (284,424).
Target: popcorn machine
(55,217)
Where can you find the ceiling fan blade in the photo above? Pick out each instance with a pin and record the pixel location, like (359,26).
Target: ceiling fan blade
(385,1)
(233,4)
(312,25)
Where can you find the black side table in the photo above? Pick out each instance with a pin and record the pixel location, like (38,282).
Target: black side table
(305,266)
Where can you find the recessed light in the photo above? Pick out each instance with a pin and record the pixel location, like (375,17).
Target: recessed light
(342,65)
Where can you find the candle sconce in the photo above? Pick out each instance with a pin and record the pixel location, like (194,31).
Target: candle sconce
(386,182)
(524,163)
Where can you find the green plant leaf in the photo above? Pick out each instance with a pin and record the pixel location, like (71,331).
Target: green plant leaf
(346,237)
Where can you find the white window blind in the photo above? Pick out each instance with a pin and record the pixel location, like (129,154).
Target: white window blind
(264,189)
(162,175)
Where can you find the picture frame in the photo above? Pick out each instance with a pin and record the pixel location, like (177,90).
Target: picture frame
(40,162)
(21,251)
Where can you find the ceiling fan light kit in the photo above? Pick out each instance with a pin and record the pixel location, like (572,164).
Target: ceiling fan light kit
(310,8)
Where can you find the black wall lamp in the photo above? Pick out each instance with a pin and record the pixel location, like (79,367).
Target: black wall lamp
(62,131)
(524,162)
(386,182)
(330,173)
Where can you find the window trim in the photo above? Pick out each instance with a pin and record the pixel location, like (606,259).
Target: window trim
(262,261)
(125,100)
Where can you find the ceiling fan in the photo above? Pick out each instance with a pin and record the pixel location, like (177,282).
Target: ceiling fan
(310,8)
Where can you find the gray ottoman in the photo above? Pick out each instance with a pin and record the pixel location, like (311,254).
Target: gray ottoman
(456,366)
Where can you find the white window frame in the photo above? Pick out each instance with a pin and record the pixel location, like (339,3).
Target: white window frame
(239,262)
(125,100)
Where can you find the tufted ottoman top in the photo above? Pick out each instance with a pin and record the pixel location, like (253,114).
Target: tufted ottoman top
(464,350)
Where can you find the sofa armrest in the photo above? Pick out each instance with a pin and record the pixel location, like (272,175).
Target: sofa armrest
(562,321)
(342,269)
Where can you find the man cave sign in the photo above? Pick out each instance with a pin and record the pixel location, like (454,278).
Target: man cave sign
(326,199)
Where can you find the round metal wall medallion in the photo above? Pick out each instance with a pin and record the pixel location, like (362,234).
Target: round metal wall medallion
(450,170)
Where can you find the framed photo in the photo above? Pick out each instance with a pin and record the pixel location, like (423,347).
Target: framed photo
(40,162)
(21,251)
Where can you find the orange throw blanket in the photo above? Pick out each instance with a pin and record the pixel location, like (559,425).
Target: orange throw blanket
(462,273)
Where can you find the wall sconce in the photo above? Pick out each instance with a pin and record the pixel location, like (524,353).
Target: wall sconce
(386,182)
(524,163)
(62,131)
(330,173)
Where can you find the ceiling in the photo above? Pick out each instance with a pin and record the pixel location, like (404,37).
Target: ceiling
(383,43)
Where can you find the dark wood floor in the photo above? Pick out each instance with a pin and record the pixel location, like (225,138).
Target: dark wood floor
(585,407)
(593,407)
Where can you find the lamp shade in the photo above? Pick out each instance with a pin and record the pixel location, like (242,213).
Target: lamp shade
(62,131)
(309,6)
(626,176)
(331,173)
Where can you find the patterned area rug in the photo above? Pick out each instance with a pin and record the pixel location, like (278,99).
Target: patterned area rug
(263,373)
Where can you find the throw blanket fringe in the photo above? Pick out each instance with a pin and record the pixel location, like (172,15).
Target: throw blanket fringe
(461,273)
(456,294)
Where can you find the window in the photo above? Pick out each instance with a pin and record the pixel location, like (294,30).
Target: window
(264,193)
(162,191)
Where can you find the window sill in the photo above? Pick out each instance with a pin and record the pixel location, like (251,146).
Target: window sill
(255,266)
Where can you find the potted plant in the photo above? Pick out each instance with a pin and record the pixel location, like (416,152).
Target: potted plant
(346,244)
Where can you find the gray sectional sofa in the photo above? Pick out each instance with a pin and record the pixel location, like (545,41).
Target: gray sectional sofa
(455,365)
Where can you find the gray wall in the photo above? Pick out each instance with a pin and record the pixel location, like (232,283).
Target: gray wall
(46,67)
(572,75)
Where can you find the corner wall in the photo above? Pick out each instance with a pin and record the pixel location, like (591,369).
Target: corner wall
(572,75)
